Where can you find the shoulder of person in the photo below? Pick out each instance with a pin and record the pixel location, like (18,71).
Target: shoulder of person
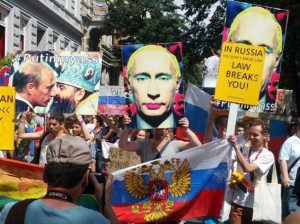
(92,215)
(290,140)
(267,153)
(5,211)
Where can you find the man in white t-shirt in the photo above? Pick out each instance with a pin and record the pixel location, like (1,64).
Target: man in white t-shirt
(289,164)
(255,161)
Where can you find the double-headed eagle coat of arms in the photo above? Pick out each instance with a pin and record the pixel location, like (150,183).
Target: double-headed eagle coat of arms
(158,188)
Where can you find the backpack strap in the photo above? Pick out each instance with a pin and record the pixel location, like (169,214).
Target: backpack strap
(158,155)
(16,214)
(293,164)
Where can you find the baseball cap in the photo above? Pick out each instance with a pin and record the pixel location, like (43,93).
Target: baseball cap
(69,149)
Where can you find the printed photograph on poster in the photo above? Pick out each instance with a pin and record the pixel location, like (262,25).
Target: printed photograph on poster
(57,82)
(153,84)
(259,26)
(111,100)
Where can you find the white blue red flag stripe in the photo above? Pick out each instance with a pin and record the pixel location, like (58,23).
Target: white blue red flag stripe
(197,106)
(111,100)
(188,184)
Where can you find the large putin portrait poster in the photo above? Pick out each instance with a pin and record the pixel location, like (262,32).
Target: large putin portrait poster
(57,82)
(259,26)
(153,84)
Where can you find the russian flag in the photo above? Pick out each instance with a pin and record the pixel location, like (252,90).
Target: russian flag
(197,106)
(189,184)
(278,134)
(111,100)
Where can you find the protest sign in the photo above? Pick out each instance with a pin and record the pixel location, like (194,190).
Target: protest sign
(7,115)
(74,74)
(240,73)
(121,159)
(153,83)
(111,100)
(259,26)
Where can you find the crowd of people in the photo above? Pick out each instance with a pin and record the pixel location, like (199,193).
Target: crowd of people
(60,142)
(70,146)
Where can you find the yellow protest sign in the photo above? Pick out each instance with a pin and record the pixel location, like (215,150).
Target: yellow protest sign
(240,73)
(7,115)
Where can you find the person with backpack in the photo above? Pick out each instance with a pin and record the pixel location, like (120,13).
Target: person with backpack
(289,159)
(67,174)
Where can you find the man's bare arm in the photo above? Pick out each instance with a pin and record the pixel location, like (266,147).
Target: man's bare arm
(193,139)
(124,143)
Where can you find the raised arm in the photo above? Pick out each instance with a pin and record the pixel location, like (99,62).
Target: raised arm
(85,131)
(124,143)
(248,167)
(209,124)
(107,208)
(193,139)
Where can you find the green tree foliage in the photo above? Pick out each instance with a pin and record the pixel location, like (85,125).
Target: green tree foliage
(201,37)
(6,60)
(200,30)
(145,21)
(205,21)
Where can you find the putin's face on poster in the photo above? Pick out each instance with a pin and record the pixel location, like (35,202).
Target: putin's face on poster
(153,74)
(257,26)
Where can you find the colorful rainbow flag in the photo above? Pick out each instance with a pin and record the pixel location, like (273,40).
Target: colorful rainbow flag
(19,181)
(189,184)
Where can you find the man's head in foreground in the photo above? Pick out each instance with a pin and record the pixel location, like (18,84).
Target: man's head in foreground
(258,27)
(68,160)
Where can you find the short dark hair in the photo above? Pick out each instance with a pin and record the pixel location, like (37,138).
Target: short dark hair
(240,124)
(58,117)
(99,120)
(65,175)
(87,118)
(264,125)
(220,119)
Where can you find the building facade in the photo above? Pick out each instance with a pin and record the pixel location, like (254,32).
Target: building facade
(52,25)
(41,25)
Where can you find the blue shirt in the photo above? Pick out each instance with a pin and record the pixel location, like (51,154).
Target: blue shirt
(38,212)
